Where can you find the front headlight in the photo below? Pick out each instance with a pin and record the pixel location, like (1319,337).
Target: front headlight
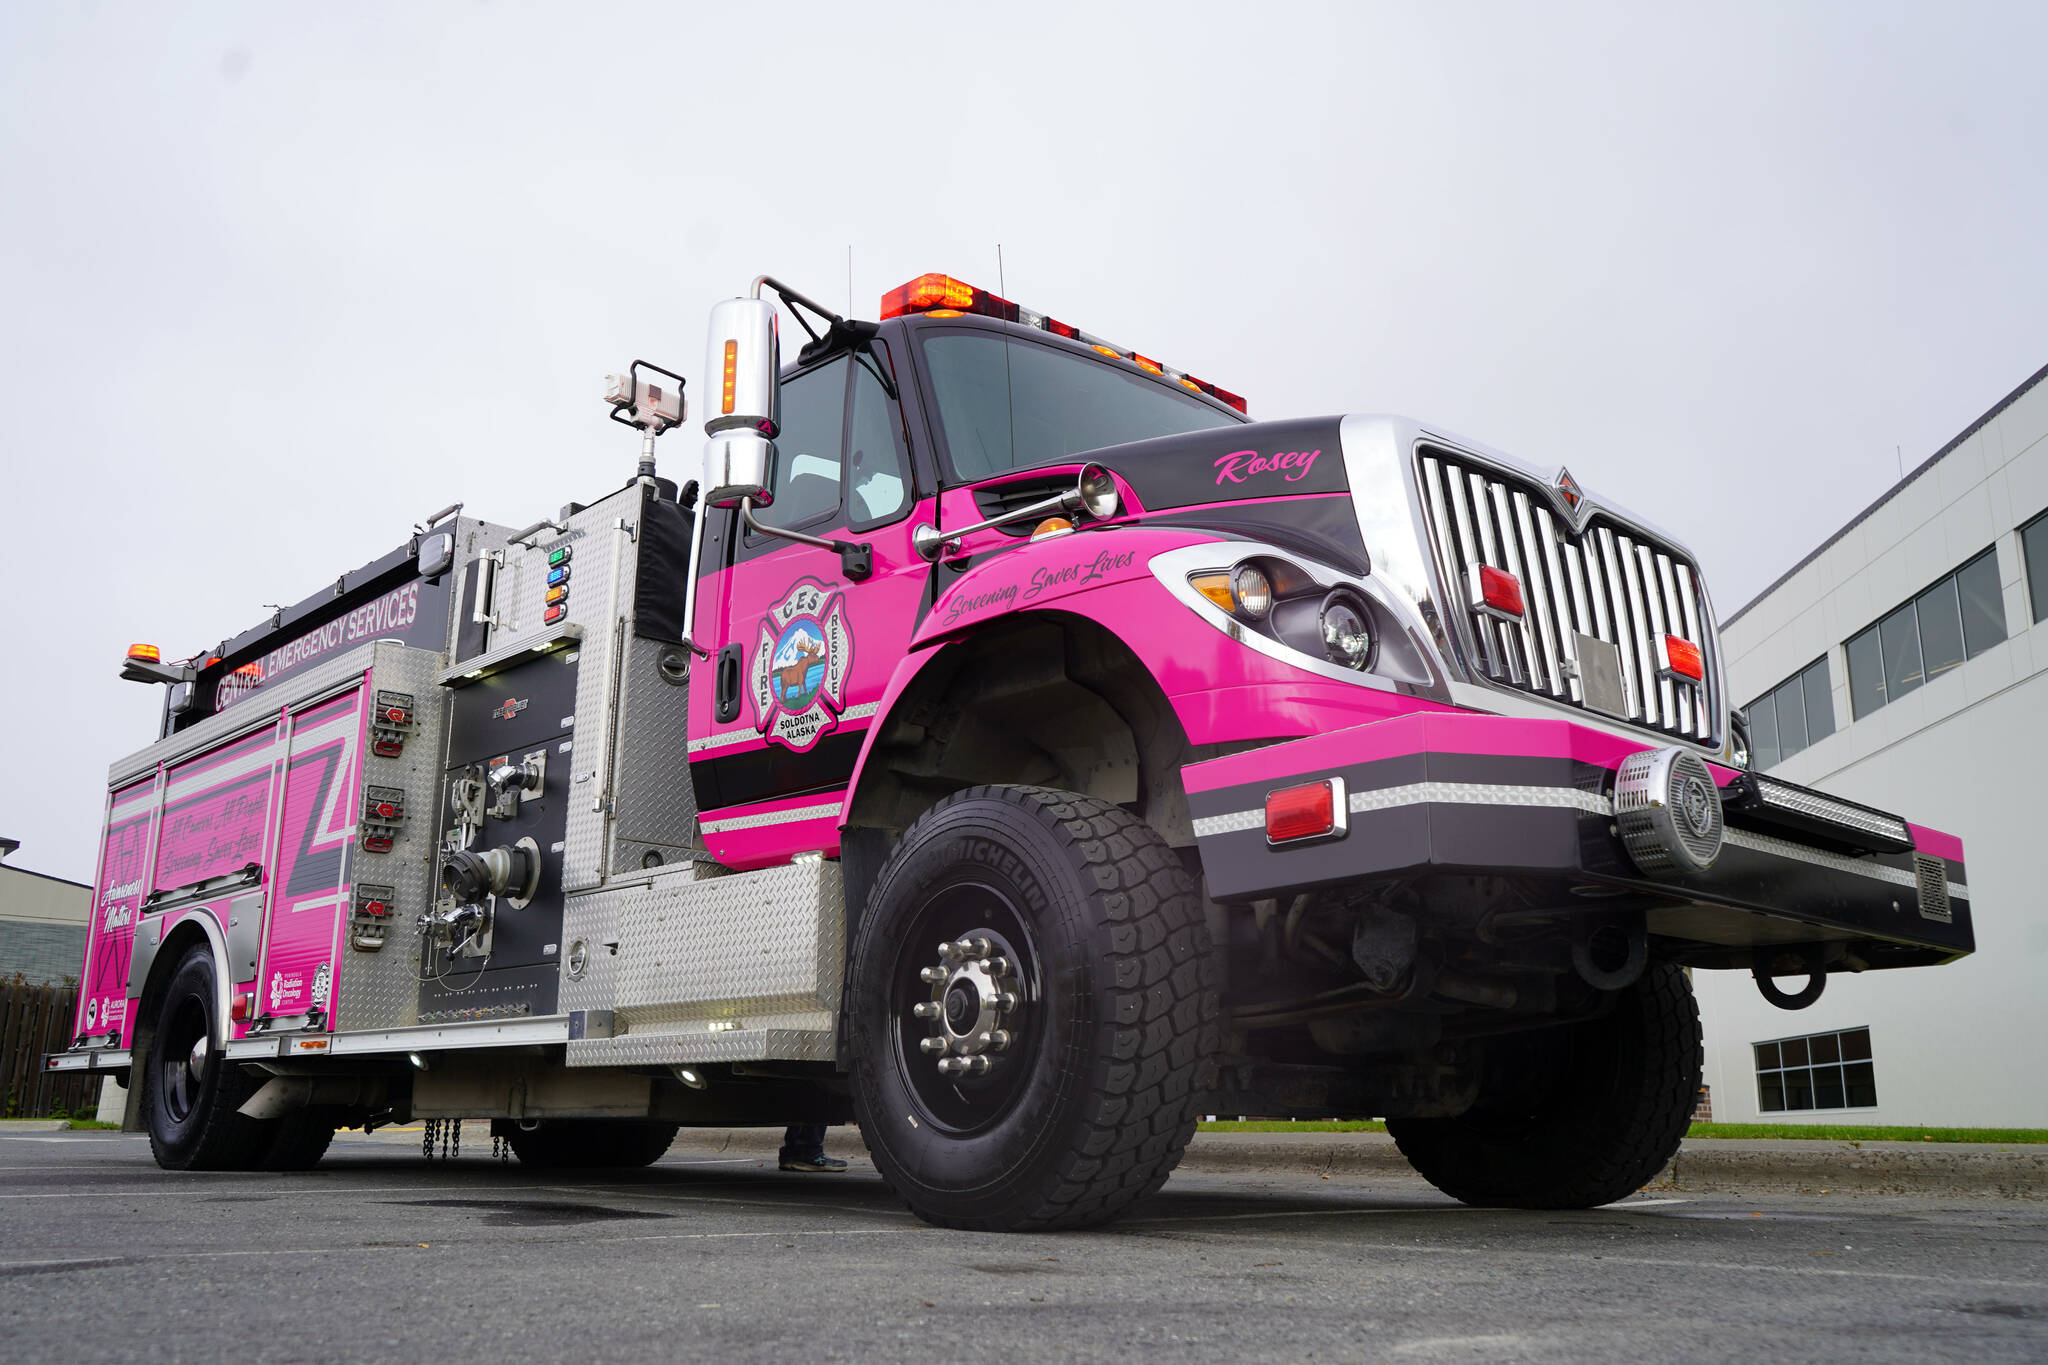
(1345,624)
(1252,592)
(1284,602)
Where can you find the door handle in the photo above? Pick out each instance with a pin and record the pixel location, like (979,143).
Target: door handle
(730,662)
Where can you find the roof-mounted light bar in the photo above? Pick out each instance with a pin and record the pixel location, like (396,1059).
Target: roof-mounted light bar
(942,296)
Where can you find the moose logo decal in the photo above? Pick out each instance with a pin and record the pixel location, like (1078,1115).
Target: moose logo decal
(800,665)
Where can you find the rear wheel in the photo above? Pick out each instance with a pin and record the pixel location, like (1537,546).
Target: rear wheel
(297,1141)
(1033,1002)
(191,1091)
(563,1144)
(1574,1117)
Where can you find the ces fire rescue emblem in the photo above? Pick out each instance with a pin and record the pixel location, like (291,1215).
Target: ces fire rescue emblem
(800,665)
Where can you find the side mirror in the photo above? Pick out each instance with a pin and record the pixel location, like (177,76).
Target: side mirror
(745,355)
(739,466)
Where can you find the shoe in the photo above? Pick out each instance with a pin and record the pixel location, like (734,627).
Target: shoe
(813,1165)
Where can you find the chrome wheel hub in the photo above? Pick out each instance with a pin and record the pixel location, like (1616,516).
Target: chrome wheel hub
(975,993)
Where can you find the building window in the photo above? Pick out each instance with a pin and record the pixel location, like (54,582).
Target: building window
(1819,1071)
(2034,549)
(1955,620)
(1797,712)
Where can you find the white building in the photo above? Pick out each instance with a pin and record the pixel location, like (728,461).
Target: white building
(1904,664)
(42,922)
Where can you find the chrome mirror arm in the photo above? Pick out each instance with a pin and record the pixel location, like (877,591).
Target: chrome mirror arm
(855,561)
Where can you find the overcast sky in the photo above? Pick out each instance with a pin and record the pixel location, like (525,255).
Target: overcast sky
(280,279)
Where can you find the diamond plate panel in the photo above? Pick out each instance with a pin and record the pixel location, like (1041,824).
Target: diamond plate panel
(737,967)
(654,804)
(767,940)
(380,990)
(600,595)
(737,1045)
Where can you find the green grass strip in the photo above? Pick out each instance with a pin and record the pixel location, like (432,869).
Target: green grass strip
(1850,1132)
(1811,1132)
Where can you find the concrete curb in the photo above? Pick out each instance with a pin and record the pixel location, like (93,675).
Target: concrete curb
(35,1125)
(1981,1170)
(1703,1165)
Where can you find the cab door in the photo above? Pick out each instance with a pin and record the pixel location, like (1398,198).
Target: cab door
(803,654)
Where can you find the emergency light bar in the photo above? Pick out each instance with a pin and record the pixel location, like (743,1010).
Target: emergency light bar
(942,296)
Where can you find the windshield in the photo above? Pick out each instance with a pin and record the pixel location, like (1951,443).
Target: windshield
(1011,404)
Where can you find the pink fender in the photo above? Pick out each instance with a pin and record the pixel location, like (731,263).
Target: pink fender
(1220,690)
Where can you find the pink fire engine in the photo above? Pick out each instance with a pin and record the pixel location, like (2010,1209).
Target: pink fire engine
(1004,742)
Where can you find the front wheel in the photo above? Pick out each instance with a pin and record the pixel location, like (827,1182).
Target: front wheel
(1572,1117)
(1032,1006)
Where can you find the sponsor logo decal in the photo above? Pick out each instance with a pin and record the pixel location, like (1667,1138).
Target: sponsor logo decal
(323,984)
(1079,574)
(1044,578)
(801,661)
(284,990)
(512,706)
(92,1014)
(1241,465)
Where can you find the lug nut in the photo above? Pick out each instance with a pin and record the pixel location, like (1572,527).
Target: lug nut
(976,947)
(1006,1000)
(932,976)
(949,951)
(996,1039)
(935,1045)
(973,1066)
(996,966)
(927,1010)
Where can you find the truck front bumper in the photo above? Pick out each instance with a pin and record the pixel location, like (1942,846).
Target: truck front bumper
(1457,794)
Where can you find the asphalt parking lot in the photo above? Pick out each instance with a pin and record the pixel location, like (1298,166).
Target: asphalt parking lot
(380,1254)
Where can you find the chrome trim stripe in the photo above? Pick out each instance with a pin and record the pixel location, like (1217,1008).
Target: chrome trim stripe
(1230,824)
(1819,857)
(1430,793)
(865,711)
(719,741)
(773,817)
(734,737)
(1566,798)
(420,1038)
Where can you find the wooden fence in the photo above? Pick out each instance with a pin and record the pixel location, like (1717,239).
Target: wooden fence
(35,1020)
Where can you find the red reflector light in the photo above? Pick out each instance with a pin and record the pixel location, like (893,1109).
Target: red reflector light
(239,1007)
(1496,592)
(1313,811)
(1680,659)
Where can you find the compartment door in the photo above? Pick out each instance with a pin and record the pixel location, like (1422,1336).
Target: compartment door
(307,892)
(117,896)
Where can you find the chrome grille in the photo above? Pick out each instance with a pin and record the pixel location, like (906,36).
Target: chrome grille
(1607,581)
